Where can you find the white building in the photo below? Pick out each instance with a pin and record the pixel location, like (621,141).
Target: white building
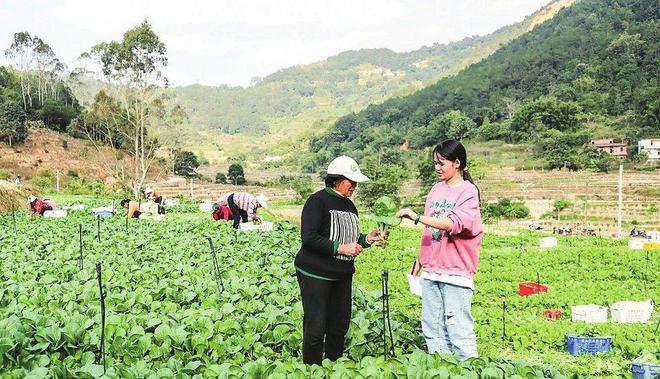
(651,147)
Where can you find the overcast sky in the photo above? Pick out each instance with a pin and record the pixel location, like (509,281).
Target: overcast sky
(228,42)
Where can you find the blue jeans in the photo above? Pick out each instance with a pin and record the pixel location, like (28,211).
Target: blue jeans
(447,321)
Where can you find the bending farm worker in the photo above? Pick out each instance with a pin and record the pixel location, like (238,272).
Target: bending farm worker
(449,254)
(39,206)
(244,206)
(331,240)
(151,195)
(133,208)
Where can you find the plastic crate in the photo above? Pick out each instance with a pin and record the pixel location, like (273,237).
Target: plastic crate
(530,288)
(248,226)
(554,314)
(636,244)
(589,313)
(171,202)
(652,245)
(548,242)
(577,345)
(632,311)
(206,207)
(104,213)
(61,213)
(644,370)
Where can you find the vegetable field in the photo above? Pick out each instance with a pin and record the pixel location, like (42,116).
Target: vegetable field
(168,315)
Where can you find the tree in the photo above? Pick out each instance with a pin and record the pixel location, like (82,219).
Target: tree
(12,122)
(236,174)
(133,67)
(21,52)
(185,163)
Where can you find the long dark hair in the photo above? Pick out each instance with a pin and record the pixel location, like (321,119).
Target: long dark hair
(452,150)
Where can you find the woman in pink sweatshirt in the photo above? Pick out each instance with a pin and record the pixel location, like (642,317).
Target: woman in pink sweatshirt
(449,254)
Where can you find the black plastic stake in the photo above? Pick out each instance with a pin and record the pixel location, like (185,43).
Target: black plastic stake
(80,260)
(578,261)
(102,298)
(98,227)
(13,215)
(216,267)
(387,324)
(656,327)
(503,320)
(538,278)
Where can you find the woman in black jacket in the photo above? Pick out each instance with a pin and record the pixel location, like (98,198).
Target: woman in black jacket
(331,239)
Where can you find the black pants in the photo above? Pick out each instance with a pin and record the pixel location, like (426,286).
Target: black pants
(236,213)
(326,317)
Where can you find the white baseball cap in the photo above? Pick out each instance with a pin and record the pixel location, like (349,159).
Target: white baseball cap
(148,190)
(347,167)
(31,199)
(263,201)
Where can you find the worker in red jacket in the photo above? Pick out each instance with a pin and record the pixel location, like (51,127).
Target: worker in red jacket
(39,206)
(221,212)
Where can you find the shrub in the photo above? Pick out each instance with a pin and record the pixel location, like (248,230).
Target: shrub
(44,184)
(561,204)
(72,174)
(505,208)
(220,178)
(4,174)
(303,187)
(46,173)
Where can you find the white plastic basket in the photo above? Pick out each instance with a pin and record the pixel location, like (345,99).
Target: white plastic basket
(636,244)
(632,311)
(548,242)
(590,313)
(171,202)
(248,226)
(61,213)
(206,207)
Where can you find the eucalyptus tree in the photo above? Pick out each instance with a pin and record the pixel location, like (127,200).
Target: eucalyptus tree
(132,70)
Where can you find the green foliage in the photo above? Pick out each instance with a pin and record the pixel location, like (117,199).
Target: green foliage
(535,117)
(83,187)
(44,184)
(384,213)
(46,173)
(220,178)
(56,115)
(185,163)
(104,121)
(561,204)
(175,315)
(592,60)
(72,174)
(12,122)
(504,208)
(65,144)
(4,174)
(386,172)
(303,187)
(235,174)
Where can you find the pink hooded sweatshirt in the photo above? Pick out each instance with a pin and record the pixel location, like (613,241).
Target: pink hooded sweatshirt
(454,251)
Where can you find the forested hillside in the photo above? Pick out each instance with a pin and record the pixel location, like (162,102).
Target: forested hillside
(33,94)
(292,99)
(591,71)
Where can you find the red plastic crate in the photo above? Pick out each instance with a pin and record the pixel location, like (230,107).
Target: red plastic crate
(554,314)
(530,288)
